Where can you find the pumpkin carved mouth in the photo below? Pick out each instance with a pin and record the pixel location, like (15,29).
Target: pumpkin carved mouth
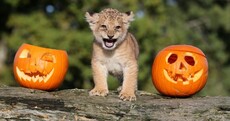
(180,78)
(34,77)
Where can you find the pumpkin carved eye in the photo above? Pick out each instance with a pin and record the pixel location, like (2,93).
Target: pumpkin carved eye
(25,54)
(190,60)
(48,57)
(172,58)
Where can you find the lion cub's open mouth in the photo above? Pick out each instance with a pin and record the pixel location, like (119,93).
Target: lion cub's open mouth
(109,42)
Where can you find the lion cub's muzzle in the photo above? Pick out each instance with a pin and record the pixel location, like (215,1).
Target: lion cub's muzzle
(110,42)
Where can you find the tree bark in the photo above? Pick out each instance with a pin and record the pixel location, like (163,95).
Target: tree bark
(17,103)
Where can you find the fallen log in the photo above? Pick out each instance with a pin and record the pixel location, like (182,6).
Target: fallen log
(17,103)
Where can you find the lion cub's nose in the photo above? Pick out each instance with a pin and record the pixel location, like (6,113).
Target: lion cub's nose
(110,36)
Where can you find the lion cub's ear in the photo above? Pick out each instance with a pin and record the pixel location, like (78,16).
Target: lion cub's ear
(92,19)
(127,18)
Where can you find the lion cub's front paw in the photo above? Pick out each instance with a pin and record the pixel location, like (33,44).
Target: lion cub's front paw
(98,92)
(127,96)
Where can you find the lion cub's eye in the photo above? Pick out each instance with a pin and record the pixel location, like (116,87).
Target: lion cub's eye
(117,27)
(103,26)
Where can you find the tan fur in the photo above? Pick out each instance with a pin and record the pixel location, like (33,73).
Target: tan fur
(116,55)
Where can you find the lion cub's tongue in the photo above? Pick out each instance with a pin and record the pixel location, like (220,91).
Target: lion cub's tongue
(109,44)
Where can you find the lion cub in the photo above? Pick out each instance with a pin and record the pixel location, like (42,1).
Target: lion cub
(115,52)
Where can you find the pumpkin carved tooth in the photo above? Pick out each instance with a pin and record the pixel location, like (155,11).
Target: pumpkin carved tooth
(48,76)
(34,79)
(40,79)
(186,82)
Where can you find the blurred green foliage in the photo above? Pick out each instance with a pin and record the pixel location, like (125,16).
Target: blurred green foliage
(158,23)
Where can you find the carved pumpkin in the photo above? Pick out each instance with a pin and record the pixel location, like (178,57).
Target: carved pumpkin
(180,70)
(40,68)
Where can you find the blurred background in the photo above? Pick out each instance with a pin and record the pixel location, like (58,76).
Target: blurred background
(158,23)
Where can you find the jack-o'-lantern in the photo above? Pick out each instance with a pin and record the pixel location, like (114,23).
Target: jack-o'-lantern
(180,70)
(40,68)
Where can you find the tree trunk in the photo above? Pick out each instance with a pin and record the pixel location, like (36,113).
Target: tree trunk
(17,103)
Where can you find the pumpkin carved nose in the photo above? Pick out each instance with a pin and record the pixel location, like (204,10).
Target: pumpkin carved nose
(182,67)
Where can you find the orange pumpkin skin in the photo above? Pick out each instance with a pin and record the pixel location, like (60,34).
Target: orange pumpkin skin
(40,68)
(180,70)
